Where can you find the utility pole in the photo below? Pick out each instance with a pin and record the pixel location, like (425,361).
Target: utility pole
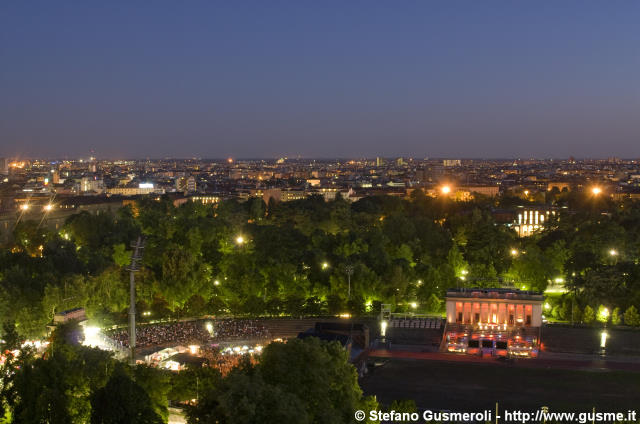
(349,270)
(136,256)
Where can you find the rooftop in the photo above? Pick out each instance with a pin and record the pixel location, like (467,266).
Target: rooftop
(495,293)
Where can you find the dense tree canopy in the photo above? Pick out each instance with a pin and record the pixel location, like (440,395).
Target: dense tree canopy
(248,258)
(301,381)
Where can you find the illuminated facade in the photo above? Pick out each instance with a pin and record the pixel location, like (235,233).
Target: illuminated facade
(531,219)
(495,322)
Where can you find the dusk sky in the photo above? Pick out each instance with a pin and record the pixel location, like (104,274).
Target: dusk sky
(326,79)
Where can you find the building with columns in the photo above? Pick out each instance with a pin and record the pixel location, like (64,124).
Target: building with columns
(493,321)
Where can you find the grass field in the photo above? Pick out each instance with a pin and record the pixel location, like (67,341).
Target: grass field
(471,387)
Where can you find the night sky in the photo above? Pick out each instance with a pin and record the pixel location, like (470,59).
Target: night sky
(323,78)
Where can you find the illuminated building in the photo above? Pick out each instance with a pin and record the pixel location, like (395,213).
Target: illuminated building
(205,200)
(280,195)
(186,184)
(531,219)
(496,322)
(92,184)
(135,191)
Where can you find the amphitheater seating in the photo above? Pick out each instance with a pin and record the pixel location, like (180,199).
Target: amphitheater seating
(413,322)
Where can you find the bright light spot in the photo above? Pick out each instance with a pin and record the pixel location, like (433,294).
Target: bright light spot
(239,240)
(419,282)
(325,265)
(216,283)
(446,189)
(514,252)
(524,287)
(48,207)
(604,314)
(91,331)
(230,160)
(559,280)
(526,192)
(464,272)
(383,328)
(259,348)
(146,313)
(462,277)
(613,252)
(603,339)
(345,315)
(193,349)
(209,326)
(24,207)
(596,190)
(547,306)
(414,305)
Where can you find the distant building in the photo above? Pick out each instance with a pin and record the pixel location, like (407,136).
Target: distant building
(4,166)
(91,184)
(186,184)
(205,200)
(280,195)
(531,219)
(451,162)
(560,185)
(135,191)
(490,191)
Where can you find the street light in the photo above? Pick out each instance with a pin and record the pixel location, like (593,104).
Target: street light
(325,265)
(48,207)
(596,191)
(349,270)
(414,305)
(514,252)
(613,252)
(604,315)
(216,283)
(445,189)
(24,207)
(239,240)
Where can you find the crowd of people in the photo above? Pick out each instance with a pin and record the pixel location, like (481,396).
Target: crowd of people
(225,361)
(226,329)
(191,332)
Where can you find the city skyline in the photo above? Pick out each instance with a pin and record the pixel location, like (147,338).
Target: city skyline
(319,81)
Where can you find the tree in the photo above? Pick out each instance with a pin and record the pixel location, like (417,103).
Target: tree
(631,316)
(588,316)
(247,398)
(433,304)
(122,401)
(10,338)
(299,381)
(408,406)
(615,316)
(603,314)
(319,372)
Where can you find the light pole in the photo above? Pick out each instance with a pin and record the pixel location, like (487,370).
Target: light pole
(349,270)
(133,268)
